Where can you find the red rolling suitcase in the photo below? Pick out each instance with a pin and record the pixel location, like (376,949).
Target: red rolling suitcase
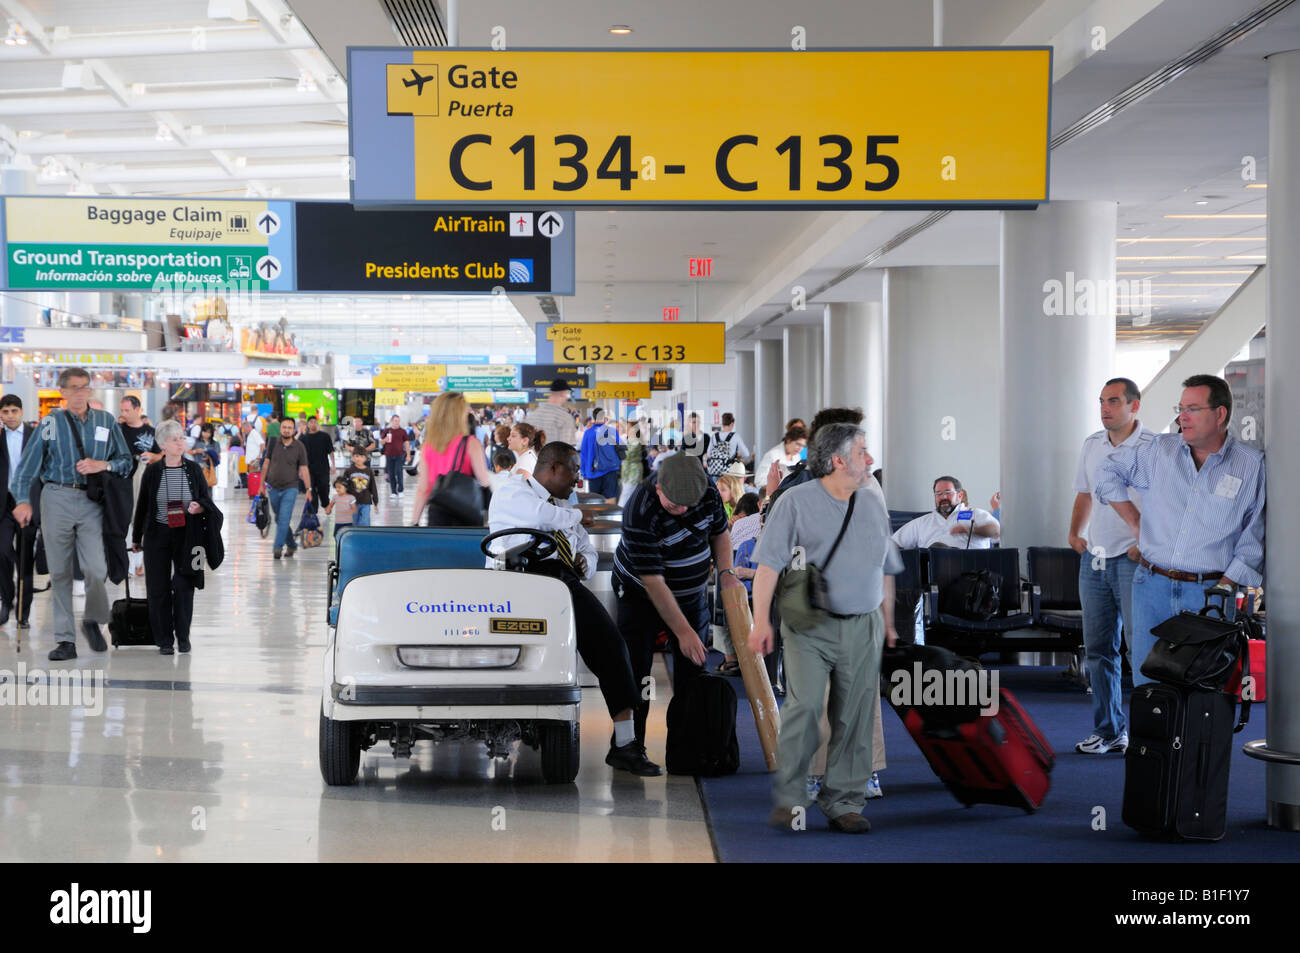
(254,483)
(995,759)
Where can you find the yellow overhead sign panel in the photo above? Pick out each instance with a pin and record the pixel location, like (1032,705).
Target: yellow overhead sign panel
(408,377)
(822,128)
(610,390)
(634,343)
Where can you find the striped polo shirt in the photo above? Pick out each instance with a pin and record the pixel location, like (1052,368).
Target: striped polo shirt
(656,543)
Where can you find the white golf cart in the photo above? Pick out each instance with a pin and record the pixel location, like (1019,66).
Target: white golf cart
(426,644)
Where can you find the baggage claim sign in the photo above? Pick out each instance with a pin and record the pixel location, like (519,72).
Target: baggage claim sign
(143,244)
(929,128)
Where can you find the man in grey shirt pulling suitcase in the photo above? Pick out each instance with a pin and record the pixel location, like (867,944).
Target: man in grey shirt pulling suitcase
(845,646)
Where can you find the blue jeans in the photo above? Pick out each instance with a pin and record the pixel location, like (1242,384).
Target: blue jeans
(1107,597)
(1155,599)
(396,467)
(282,502)
(362,517)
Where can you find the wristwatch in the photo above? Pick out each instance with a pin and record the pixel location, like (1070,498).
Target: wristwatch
(731,571)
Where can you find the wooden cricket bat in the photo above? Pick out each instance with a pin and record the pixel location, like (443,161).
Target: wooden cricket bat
(767,717)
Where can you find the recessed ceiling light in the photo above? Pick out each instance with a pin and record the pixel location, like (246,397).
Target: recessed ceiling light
(620,29)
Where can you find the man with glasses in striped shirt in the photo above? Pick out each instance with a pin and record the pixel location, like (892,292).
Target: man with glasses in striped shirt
(1202,519)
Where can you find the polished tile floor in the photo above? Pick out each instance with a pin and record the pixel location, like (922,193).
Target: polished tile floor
(212,756)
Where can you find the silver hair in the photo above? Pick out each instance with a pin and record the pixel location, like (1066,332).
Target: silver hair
(831,440)
(168,429)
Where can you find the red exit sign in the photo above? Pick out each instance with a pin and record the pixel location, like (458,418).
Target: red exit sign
(672,314)
(701,267)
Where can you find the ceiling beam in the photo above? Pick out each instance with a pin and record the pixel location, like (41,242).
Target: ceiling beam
(148,102)
(232,39)
(250,139)
(121,92)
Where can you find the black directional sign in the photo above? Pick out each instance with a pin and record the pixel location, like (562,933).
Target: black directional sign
(343,249)
(540,376)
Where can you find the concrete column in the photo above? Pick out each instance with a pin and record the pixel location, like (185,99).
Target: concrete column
(768,394)
(1058,349)
(746,403)
(853,351)
(801,372)
(941,382)
(1282,443)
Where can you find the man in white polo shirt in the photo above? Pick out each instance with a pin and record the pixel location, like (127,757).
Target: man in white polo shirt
(946,525)
(1109,551)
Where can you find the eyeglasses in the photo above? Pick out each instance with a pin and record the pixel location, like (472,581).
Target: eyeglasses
(1179,409)
(76,389)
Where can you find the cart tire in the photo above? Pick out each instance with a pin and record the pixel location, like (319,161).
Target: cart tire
(559,744)
(340,750)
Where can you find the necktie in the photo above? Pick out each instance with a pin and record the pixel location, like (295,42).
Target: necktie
(562,547)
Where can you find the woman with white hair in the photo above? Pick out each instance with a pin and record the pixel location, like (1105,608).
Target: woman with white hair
(169,520)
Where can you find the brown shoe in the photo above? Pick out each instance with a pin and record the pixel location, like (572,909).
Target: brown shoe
(781,818)
(850,824)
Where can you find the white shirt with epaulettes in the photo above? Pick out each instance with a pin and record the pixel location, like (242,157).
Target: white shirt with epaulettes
(523,502)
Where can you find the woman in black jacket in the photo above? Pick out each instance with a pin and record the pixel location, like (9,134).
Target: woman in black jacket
(174,503)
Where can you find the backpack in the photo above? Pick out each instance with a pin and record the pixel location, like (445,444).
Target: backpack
(702,729)
(722,452)
(973,595)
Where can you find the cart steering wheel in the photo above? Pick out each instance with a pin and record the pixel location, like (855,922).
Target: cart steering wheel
(542,546)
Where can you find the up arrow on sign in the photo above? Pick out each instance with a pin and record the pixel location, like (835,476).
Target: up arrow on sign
(551,224)
(268,223)
(268,267)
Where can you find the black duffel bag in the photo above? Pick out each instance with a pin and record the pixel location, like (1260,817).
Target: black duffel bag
(1198,650)
(974,595)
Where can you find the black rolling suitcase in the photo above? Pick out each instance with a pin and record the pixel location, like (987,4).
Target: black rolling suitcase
(702,729)
(1176,766)
(129,622)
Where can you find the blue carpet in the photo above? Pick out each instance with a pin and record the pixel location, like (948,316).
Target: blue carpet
(918,820)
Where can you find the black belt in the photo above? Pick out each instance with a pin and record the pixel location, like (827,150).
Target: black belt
(70,486)
(851,615)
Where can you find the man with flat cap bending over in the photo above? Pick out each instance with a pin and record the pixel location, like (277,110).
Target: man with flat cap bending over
(674,527)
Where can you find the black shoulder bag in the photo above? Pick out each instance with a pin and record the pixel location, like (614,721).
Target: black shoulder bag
(94,481)
(458,494)
(802,593)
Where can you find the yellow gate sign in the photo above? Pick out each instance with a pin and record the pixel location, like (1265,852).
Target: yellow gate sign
(930,128)
(609,390)
(417,377)
(652,342)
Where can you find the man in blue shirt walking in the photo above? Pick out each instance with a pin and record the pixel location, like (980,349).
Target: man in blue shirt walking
(1202,519)
(70,520)
(600,462)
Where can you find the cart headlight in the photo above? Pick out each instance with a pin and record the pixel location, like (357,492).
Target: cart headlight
(502,657)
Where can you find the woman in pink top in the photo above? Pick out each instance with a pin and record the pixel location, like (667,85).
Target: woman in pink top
(448,442)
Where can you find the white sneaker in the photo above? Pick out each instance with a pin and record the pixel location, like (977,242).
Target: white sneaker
(1095,744)
(873,787)
(814,785)
(78,587)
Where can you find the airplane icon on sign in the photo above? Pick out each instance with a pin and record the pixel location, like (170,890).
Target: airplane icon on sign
(417,81)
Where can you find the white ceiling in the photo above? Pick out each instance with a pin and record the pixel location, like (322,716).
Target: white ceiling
(241,126)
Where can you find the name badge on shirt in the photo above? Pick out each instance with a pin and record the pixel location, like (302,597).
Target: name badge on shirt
(1228,487)
(101,434)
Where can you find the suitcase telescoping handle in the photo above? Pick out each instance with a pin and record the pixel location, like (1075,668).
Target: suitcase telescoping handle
(1225,597)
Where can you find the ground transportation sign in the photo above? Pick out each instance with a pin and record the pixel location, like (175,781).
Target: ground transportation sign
(919,128)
